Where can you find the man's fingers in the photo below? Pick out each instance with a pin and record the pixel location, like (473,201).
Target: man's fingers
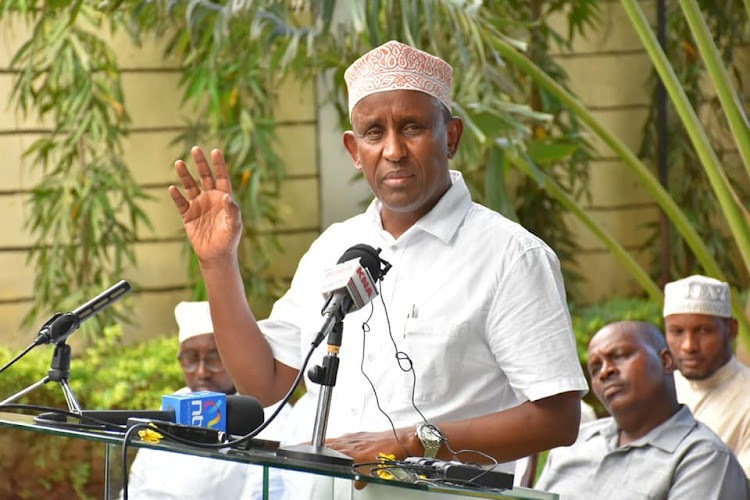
(204,171)
(223,183)
(191,188)
(179,201)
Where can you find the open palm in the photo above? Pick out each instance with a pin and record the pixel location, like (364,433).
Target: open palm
(211,217)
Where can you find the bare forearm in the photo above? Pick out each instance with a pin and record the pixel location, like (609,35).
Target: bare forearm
(244,350)
(507,435)
(511,434)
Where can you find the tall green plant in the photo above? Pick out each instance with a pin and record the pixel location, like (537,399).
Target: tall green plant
(725,26)
(662,198)
(85,211)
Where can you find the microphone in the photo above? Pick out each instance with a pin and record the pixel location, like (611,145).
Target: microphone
(62,325)
(240,414)
(244,414)
(350,285)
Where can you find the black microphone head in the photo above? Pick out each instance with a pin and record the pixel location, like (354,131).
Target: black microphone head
(244,414)
(368,258)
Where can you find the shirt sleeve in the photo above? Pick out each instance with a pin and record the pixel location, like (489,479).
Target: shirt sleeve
(530,329)
(709,473)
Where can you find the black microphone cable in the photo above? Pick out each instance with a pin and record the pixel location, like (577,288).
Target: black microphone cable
(405,364)
(19,356)
(95,423)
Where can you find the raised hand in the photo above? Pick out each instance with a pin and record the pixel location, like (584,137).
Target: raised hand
(211,217)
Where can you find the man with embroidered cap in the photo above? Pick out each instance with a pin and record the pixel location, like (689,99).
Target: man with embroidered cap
(164,475)
(651,446)
(700,330)
(474,300)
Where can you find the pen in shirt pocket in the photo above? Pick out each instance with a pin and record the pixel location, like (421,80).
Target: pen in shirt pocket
(411,315)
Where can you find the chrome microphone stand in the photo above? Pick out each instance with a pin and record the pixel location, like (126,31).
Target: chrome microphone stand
(325,375)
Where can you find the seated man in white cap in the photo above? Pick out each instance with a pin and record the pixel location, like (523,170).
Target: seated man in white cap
(474,300)
(711,382)
(164,475)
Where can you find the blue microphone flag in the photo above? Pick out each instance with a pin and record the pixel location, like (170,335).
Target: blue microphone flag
(201,408)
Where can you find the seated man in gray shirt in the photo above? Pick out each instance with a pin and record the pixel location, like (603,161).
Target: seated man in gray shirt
(651,447)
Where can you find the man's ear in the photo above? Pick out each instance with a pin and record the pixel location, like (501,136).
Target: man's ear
(733,327)
(667,360)
(350,143)
(455,129)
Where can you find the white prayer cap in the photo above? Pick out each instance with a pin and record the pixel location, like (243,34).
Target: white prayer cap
(697,295)
(193,318)
(396,66)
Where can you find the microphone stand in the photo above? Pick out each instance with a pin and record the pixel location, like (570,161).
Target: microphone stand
(58,372)
(325,375)
(56,330)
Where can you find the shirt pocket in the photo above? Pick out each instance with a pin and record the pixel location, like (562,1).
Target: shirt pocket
(435,346)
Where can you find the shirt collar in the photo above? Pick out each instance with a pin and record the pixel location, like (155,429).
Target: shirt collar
(444,218)
(666,436)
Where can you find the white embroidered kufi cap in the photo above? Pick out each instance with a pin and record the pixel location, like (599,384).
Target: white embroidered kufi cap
(193,318)
(697,295)
(396,66)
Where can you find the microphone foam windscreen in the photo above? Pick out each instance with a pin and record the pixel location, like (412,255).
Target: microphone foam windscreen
(368,258)
(244,414)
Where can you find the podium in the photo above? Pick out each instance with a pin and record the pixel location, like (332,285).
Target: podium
(265,458)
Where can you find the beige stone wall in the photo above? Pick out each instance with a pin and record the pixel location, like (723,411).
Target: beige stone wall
(609,72)
(160,276)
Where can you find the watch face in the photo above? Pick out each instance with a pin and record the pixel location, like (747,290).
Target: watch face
(428,432)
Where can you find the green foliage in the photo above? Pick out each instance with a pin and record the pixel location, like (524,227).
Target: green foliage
(85,210)
(234,58)
(688,183)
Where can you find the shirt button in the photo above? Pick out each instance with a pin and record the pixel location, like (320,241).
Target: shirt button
(354,411)
(370,357)
(394,248)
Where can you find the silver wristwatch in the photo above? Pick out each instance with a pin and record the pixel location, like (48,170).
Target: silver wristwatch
(431,439)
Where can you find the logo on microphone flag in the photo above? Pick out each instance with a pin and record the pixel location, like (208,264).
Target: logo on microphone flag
(211,408)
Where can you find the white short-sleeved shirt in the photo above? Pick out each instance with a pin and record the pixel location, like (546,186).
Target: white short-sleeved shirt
(475,300)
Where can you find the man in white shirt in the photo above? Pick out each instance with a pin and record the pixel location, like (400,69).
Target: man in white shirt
(475,301)
(165,475)
(700,330)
